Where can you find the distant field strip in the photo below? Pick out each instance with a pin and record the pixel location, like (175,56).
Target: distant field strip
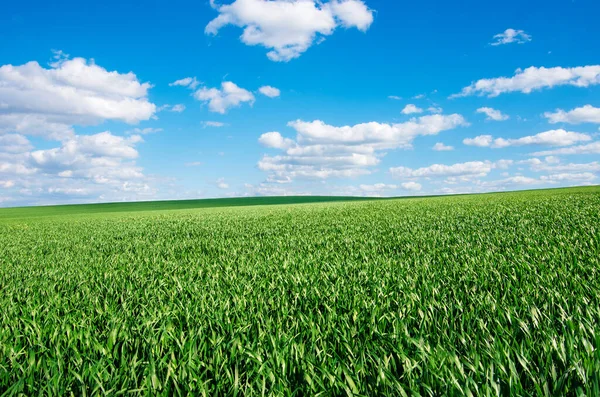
(495,294)
(62,210)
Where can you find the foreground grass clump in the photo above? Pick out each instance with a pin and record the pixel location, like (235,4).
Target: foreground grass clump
(485,295)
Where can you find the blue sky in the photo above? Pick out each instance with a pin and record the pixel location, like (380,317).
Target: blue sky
(361,93)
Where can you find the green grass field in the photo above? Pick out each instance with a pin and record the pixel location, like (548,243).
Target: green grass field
(495,294)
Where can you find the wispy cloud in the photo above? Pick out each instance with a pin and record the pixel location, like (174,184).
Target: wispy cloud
(511,36)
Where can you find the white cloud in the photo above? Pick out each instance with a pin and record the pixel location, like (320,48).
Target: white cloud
(493,114)
(548,138)
(382,189)
(511,36)
(503,164)
(58,56)
(267,189)
(269,91)
(323,151)
(276,141)
(190,82)
(513,180)
(144,131)
(178,108)
(479,141)
(216,124)
(395,97)
(550,165)
(47,102)
(420,96)
(11,169)
(377,134)
(49,126)
(585,114)
(377,188)
(82,147)
(98,167)
(435,109)
(584,176)
(534,78)
(220,100)
(520,181)
(14,143)
(414,186)
(410,109)
(468,169)
(591,148)
(193,164)
(289,27)
(221,184)
(440,147)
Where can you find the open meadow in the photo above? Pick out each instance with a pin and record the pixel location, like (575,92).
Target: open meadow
(494,294)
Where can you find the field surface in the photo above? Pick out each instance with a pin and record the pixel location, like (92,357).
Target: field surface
(495,294)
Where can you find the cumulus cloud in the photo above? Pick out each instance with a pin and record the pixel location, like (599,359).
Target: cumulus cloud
(289,27)
(6,184)
(216,124)
(440,147)
(190,82)
(511,36)
(550,165)
(479,141)
(144,131)
(569,176)
(591,148)
(48,126)
(221,184)
(385,135)
(86,147)
(411,109)
(413,186)
(276,141)
(548,138)
(521,181)
(493,114)
(221,100)
(269,91)
(178,108)
(14,143)
(379,189)
(468,169)
(323,151)
(268,189)
(98,167)
(584,114)
(47,102)
(534,78)
(511,181)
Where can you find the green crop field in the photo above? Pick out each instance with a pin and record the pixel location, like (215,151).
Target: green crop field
(495,294)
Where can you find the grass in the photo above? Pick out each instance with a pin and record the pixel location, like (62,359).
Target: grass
(469,295)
